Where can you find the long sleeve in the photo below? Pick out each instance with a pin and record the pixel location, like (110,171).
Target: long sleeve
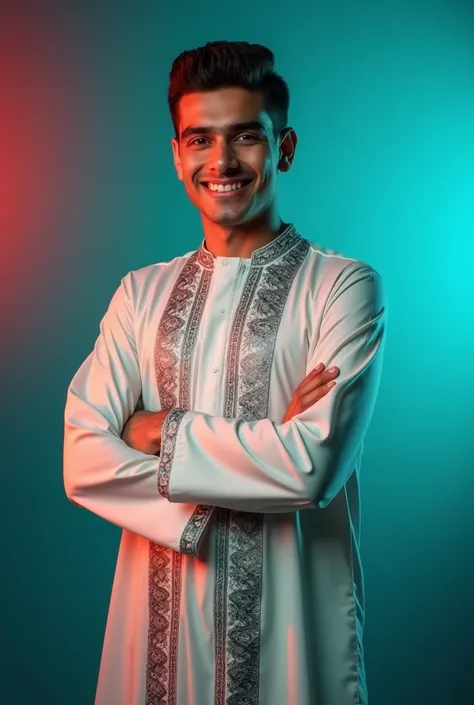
(265,466)
(103,474)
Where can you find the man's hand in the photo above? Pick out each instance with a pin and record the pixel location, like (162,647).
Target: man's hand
(143,431)
(313,388)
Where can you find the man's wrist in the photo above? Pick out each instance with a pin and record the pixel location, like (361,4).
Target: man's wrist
(159,418)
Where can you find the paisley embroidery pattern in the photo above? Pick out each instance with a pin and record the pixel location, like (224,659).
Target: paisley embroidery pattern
(240,534)
(194,530)
(235,342)
(169,433)
(245,565)
(259,335)
(174,345)
(171,333)
(220,613)
(164,593)
(190,337)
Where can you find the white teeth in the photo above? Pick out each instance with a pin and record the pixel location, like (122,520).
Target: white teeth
(221,188)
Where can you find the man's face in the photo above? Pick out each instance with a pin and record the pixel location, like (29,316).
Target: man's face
(226,139)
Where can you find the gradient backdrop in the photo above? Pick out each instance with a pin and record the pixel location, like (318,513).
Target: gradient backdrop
(382,98)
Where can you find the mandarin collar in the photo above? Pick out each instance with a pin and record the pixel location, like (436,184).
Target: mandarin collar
(264,255)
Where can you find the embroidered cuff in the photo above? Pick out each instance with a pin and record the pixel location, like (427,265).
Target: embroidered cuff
(169,435)
(194,531)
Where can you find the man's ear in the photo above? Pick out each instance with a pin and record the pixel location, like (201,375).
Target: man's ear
(176,158)
(288,142)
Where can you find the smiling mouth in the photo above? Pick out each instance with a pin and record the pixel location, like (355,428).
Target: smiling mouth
(228,190)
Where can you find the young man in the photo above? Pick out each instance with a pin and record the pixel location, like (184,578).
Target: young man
(238,579)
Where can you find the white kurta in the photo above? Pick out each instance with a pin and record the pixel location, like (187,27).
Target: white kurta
(238,579)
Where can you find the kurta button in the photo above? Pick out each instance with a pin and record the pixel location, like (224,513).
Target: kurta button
(214,369)
(222,310)
(225,263)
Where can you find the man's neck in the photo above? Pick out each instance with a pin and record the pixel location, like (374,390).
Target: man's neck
(241,241)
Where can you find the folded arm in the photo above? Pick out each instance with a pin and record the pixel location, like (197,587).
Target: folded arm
(264,466)
(101,472)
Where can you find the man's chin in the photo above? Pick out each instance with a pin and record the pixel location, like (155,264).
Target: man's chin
(228,219)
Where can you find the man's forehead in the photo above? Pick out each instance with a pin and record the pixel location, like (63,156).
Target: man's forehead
(222,108)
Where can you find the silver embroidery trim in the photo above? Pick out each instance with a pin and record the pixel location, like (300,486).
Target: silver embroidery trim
(245,566)
(194,530)
(169,435)
(190,337)
(239,564)
(174,345)
(220,601)
(276,248)
(171,333)
(235,342)
(164,590)
(205,258)
(264,255)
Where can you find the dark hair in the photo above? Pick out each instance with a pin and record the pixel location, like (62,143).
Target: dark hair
(228,64)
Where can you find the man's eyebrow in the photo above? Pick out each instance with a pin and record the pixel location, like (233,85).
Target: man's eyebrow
(235,127)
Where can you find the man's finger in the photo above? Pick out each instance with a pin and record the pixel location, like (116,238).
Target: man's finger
(308,381)
(318,393)
(317,380)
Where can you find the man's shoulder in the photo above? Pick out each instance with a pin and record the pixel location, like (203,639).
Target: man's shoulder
(331,272)
(157,274)
(330,263)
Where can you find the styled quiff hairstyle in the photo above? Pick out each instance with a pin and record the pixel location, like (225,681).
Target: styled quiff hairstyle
(225,65)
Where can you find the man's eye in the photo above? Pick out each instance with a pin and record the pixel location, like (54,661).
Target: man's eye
(201,141)
(248,135)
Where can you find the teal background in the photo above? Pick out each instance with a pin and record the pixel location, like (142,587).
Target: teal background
(382,99)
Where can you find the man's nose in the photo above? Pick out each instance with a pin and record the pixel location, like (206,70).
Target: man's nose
(222,157)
